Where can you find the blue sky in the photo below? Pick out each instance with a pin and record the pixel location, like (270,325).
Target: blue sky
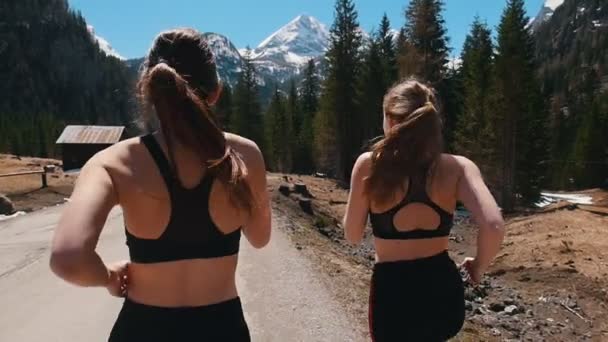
(130,25)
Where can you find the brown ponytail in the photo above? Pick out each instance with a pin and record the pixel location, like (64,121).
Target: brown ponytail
(178,75)
(411,146)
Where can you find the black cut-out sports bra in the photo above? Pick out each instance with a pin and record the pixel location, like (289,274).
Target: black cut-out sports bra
(383,223)
(190,233)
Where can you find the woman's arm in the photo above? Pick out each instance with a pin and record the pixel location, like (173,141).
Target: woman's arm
(258,228)
(357,209)
(73,256)
(476,197)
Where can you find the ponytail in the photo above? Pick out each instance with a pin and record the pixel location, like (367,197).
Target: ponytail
(185,115)
(411,146)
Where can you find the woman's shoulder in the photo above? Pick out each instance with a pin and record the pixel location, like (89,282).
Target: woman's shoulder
(363,165)
(118,156)
(247,148)
(120,151)
(455,163)
(241,144)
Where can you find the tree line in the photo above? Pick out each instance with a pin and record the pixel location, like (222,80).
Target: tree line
(528,108)
(496,106)
(54,73)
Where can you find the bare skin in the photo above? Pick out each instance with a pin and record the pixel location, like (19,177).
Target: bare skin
(126,175)
(454,178)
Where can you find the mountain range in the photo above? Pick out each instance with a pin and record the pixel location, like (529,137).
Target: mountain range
(277,58)
(285,52)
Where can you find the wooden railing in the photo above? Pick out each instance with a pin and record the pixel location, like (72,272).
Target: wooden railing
(43,174)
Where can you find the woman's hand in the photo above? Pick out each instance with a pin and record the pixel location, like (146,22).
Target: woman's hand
(118,279)
(474,272)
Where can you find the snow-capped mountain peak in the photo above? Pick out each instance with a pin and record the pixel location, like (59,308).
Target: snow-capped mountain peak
(227,56)
(222,46)
(104,45)
(546,12)
(295,43)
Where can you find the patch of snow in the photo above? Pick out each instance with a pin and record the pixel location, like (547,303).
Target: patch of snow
(454,63)
(293,58)
(8,217)
(553,4)
(547,198)
(72,172)
(582,9)
(104,45)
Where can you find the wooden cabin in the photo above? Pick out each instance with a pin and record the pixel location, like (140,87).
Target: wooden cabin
(79,143)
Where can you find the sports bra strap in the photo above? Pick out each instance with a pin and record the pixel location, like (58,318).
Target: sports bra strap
(159,158)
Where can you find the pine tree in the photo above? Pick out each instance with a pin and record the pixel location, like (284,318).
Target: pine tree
(590,148)
(520,113)
(42,140)
(224,106)
(293,108)
(339,116)
(310,89)
(426,52)
(247,118)
(450,91)
(293,123)
(372,87)
(387,50)
(401,47)
(309,105)
(277,135)
(473,132)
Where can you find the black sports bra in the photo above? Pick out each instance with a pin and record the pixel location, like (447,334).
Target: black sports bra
(190,233)
(383,223)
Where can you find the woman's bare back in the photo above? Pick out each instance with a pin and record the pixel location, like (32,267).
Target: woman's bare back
(144,198)
(441,188)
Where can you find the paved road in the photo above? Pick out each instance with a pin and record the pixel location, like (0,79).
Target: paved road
(283,298)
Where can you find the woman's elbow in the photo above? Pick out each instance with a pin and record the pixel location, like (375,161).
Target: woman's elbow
(65,263)
(259,240)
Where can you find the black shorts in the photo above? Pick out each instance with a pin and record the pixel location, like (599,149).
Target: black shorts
(218,322)
(417,300)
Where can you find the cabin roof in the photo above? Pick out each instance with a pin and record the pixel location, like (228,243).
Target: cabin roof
(106,135)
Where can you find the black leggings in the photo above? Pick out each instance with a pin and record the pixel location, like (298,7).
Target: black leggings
(417,300)
(217,322)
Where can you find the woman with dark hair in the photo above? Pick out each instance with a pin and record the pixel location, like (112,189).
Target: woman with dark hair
(409,190)
(186,192)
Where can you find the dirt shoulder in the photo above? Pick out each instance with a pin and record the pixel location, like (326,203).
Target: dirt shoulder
(549,282)
(26,192)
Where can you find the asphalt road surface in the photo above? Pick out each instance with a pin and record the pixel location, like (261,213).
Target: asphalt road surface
(283,298)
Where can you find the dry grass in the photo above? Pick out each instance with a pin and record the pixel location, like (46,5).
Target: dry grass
(26,191)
